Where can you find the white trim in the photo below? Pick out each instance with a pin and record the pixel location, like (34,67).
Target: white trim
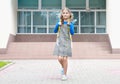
(47,22)
(87,26)
(95,21)
(79,22)
(63,3)
(34,33)
(59,10)
(39,4)
(31,22)
(87,4)
(56,33)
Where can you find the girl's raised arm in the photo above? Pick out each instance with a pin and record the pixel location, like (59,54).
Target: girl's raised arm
(56,28)
(71,28)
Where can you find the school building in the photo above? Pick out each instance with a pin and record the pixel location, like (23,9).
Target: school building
(27,28)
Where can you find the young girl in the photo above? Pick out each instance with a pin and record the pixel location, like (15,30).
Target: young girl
(63,44)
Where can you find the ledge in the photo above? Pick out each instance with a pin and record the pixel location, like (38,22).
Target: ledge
(116,51)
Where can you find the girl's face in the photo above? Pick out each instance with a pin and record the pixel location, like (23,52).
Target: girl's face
(65,14)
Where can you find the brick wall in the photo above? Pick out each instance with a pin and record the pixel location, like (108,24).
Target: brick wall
(52,38)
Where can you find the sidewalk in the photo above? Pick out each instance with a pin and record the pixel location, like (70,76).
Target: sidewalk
(48,72)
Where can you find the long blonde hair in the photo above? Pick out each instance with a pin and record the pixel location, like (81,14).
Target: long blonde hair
(71,15)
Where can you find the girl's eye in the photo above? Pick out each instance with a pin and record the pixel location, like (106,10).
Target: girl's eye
(65,12)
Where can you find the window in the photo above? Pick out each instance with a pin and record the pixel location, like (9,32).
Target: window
(39,30)
(87,18)
(27,4)
(76,4)
(87,22)
(76,25)
(100,30)
(39,22)
(97,4)
(53,19)
(41,16)
(51,30)
(53,4)
(24,22)
(101,18)
(100,22)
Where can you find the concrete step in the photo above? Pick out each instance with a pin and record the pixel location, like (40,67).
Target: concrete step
(45,50)
(42,47)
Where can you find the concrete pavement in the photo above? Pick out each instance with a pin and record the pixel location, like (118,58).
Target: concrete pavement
(48,72)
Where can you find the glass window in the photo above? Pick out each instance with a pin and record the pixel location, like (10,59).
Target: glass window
(51,30)
(76,29)
(24,18)
(101,30)
(39,18)
(100,22)
(39,30)
(24,22)
(43,21)
(87,18)
(53,4)
(24,29)
(87,22)
(87,30)
(76,16)
(101,18)
(27,4)
(76,25)
(39,22)
(53,18)
(97,4)
(76,4)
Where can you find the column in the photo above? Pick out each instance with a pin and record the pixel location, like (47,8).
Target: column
(7,21)
(113,24)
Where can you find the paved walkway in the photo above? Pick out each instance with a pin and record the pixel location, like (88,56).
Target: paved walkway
(48,72)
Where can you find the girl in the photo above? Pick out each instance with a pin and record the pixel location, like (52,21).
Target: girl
(63,44)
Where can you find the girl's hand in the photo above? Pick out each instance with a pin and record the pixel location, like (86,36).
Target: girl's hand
(59,23)
(68,22)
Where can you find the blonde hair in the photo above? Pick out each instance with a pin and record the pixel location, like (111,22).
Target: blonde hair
(71,15)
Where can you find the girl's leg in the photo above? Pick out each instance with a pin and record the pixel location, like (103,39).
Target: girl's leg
(65,64)
(60,59)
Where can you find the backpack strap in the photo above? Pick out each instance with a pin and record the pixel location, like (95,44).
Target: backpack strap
(70,34)
(58,34)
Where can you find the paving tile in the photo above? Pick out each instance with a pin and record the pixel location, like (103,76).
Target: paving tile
(48,72)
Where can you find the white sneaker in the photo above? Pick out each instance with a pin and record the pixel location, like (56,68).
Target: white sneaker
(64,78)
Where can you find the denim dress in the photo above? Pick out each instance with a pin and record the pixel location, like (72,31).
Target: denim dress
(63,42)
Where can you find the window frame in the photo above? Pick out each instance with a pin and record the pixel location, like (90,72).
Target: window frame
(63,5)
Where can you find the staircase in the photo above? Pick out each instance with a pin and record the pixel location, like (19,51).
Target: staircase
(84,47)
(44,50)
(29,50)
(91,48)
